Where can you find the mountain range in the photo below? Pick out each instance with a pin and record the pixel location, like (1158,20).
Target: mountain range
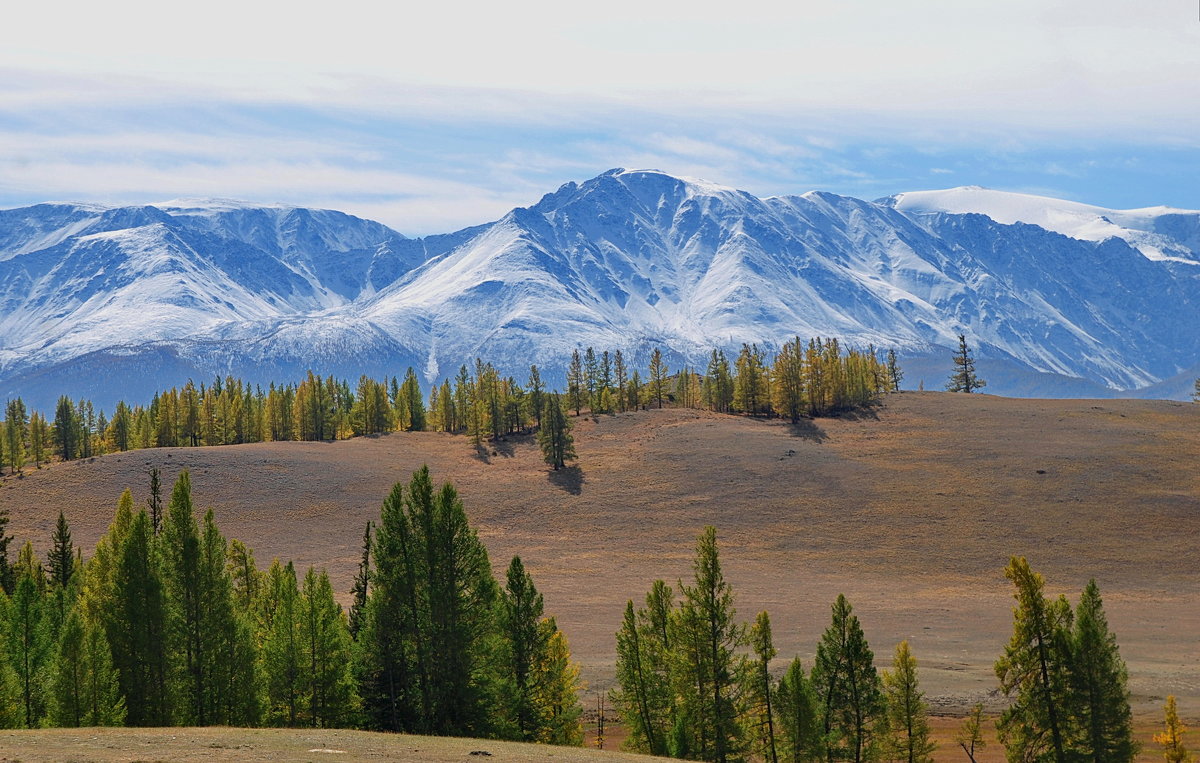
(1057,298)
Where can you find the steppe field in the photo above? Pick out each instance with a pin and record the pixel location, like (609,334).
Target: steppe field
(911,510)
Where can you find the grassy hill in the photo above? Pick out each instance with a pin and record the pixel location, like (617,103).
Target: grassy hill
(911,511)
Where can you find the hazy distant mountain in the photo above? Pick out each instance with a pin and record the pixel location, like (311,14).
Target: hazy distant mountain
(1060,298)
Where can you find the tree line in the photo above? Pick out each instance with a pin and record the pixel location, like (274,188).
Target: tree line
(814,378)
(168,623)
(694,682)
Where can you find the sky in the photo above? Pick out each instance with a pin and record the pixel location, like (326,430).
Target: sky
(431,119)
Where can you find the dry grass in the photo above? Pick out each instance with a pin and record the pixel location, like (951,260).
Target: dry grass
(911,511)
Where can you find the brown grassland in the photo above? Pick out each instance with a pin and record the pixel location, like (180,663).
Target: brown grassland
(911,510)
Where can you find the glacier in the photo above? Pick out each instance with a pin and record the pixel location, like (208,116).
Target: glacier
(1058,298)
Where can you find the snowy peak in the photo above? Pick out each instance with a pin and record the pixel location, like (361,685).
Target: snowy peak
(1160,233)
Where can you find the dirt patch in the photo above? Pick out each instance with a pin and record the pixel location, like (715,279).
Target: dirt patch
(912,514)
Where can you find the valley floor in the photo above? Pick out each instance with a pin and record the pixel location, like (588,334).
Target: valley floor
(911,510)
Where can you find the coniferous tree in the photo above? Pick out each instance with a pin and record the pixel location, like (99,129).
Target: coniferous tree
(282,656)
(658,376)
(760,685)
(1171,739)
(907,712)
(62,554)
(1098,680)
(29,643)
(139,629)
(970,735)
(15,425)
(895,375)
(575,383)
(964,378)
(410,393)
(7,577)
(636,688)
(85,687)
(156,503)
(848,688)
(362,583)
(554,437)
(708,664)
(247,578)
(799,716)
(526,644)
(556,689)
(1033,671)
(620,374)
(184,590)
(325,639)
(66,429)
(537,394)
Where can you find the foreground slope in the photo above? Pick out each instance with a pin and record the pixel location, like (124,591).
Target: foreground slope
(911,511)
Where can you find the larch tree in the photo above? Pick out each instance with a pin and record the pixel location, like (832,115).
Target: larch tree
(282,655)
(576,391)
(1033,671)
(1099,686)
(29,643)
(799,716)
(907,712)
(970,735)
(362,584)
(326,651)
(1174,750)
(15,426)
(556,689)
(554,437)
(964,378)
(848,688)
(66,429)
(894,374)
(526,642)
(85,690)
(658,376)
(760,685)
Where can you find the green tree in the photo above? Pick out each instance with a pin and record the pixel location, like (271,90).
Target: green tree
(526,644)
(1099,685)
(66,429)
(907,712)
(575,383)
(282,658)
(138,630)
(15,425)
(29,645)
(329,684)
(970,735)
(636,696)
(537,393)
(414,404)
(895,375)
(85,689)
(964,378)
(362,584)
(848,688)
(799,716)
(62,554)
(557,687)
(554,437)
(1033,671)
(760,684)
(8,579)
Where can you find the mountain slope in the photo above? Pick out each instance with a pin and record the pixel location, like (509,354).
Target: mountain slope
(629,260)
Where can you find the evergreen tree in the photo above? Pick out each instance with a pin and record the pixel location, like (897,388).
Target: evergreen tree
(636,688)
(62,554)
(1099,685)
(1033,672)
(575,383)
(282,655)
(555,439)
(7,577)
(760,684)
(247,578)
(526,644)
(907,712)
(362,583)
(537,393)
(964,378)
(38,438)
(139,629)
(410,393)
(85,689)
(620,374)
(848,688)
(1172,737)
(708,662)
(66,429)
(155,501)
(799,719)
(29,644)
(895,375)
(328,683)
(15,424)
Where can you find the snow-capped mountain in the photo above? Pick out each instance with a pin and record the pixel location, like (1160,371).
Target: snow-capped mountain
(1058,297)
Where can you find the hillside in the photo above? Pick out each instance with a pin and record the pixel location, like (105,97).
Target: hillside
(911,510)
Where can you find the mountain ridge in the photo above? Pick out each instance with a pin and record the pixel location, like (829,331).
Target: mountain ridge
(630,259)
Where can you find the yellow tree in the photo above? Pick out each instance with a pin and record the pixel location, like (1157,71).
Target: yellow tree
(1172,737)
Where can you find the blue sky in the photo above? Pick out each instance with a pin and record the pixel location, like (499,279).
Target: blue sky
(434,119)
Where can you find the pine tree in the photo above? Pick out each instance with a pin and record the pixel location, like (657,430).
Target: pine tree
(575,383)
(526,643)
(848,688)
(7,577)
(710,636)
(138,631)
(907,712)
(155,501)
(1099,687)
(1034,670)
(410,393)
(964,378)
(247,578)
(66,429)
(15,425)
(537,393)
(799,719)
(282,657)
(760,684)
(362,583)
(85,690)
(29,643)
(555,439)
(62,554)
(637,689)
(325,647)
(1172,737)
